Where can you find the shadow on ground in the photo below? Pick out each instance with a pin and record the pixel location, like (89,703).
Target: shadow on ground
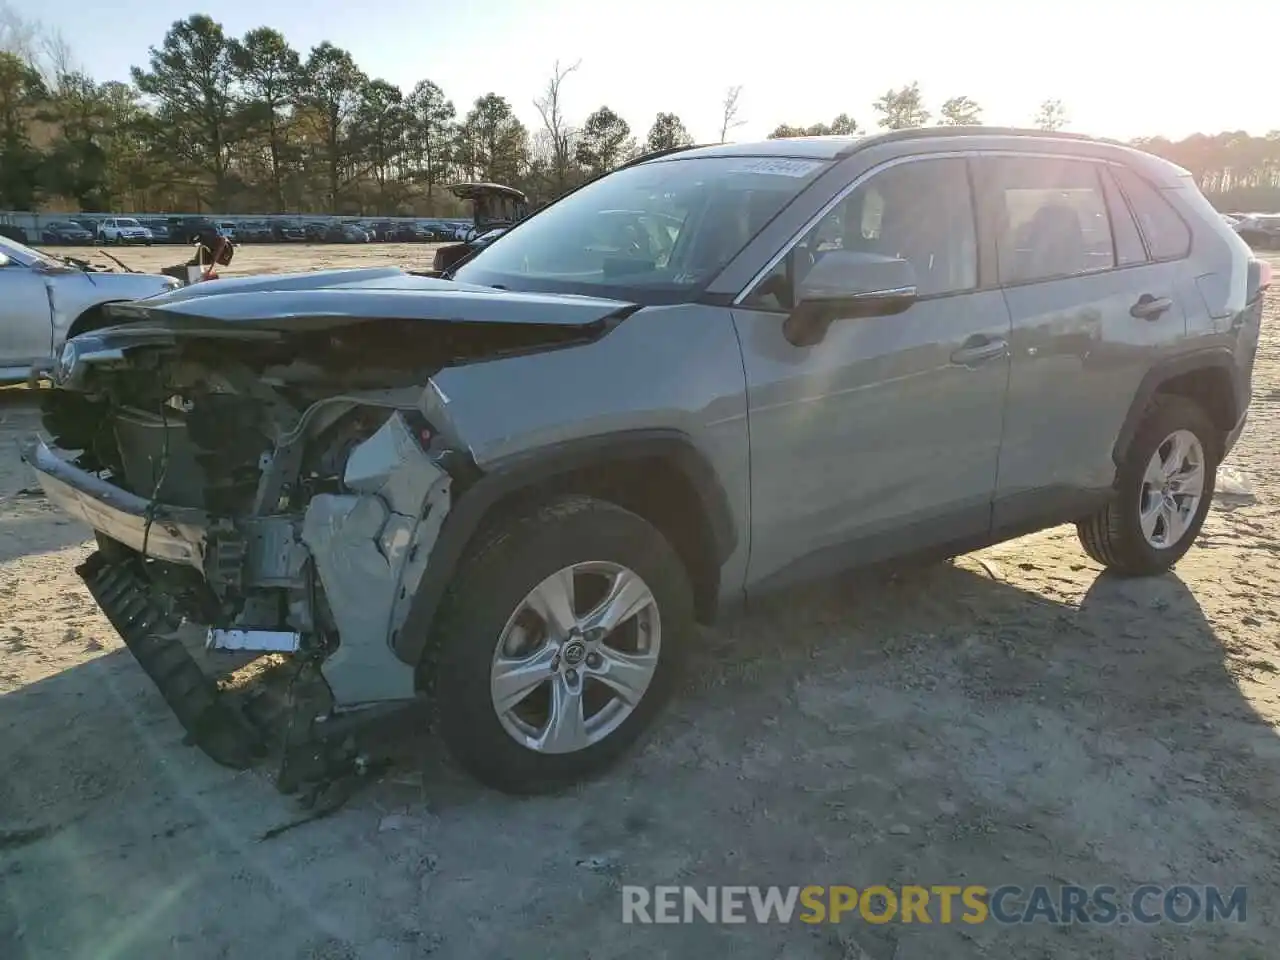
(939,726)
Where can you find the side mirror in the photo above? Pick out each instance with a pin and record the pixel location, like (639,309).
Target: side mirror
(845,285)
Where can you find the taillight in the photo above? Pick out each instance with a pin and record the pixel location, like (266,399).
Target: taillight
(1259,279)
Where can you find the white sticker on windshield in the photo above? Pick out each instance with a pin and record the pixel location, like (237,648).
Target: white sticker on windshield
(778,167)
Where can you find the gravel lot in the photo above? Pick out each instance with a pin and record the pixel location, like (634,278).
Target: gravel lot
(1009,717)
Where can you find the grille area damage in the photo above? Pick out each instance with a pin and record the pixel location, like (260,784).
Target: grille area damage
(259,464)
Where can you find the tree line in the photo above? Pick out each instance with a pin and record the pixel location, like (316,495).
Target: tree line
(250,125)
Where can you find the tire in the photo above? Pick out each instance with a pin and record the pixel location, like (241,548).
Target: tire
(1114,536)
(489,590)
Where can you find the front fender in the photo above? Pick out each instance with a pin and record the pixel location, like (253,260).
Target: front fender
(526,471)
(668,382)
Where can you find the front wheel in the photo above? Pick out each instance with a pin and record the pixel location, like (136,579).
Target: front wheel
(1165,487)
(557,643)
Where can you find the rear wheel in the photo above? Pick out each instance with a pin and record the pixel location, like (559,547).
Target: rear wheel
(1165,488)
(557,644)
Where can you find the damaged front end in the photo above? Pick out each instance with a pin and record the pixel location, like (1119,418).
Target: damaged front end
(258,461)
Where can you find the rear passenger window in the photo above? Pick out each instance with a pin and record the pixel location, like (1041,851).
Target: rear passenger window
(1051,219)
(1166,233)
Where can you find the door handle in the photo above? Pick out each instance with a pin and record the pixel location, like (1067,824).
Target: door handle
(978,349)
(1149,307)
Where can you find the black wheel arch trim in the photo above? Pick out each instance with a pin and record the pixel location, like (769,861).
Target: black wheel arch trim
(523,471)
(1166,370)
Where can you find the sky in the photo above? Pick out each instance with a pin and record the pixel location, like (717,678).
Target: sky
(1122,68)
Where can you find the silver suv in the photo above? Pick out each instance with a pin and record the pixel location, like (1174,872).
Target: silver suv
(511,492)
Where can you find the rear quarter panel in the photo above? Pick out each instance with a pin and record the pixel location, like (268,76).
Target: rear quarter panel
(1215,286)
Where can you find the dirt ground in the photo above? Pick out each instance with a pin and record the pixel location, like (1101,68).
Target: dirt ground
(1009,717)
(267,257)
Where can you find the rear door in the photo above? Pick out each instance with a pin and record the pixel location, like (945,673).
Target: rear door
(884,436)
(1092,310)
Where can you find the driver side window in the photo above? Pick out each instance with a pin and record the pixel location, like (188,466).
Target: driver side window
(921,211)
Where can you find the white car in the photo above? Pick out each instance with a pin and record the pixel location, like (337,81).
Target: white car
(123,230)
(44,300)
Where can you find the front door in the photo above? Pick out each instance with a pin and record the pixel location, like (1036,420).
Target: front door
(26,328)
(884,437)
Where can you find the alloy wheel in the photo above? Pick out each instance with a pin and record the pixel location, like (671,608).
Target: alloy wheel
(576,657)
(1172,486)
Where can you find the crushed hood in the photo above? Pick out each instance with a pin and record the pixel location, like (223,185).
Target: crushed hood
(335,298)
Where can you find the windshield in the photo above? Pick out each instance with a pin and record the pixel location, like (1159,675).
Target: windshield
(126,222)
(657,231)
(22,254)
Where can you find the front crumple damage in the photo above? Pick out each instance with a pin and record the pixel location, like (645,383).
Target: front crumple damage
(312,460)
(370,548)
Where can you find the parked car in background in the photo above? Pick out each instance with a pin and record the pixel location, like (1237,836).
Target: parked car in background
(43,300)
(1260,230)
(335,231)
(65,231)
(254,231)
(494,207)
(123,230)
(159,229)
(436,230)
(287,231)
(401,231)
(187,229)
(12,231)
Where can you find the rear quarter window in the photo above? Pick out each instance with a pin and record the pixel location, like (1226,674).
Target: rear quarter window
(1165,232)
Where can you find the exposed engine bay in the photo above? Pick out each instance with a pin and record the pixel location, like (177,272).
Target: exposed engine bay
(278,483)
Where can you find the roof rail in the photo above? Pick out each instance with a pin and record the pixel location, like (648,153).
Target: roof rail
(929,133)
(656,154)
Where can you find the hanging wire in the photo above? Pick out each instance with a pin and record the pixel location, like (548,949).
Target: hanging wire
(154,502)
